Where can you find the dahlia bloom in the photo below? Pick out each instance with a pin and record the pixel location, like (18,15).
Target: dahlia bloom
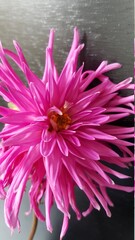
(59,135)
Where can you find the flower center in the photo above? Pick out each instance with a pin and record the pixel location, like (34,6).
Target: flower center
(59,122)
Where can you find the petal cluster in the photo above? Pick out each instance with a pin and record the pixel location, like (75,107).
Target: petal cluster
(60,135)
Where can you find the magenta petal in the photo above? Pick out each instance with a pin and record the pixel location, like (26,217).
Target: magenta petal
(71,170)
(72,200)
(6,111)
(53,167)
(20,53)
(37,189)
(46,148)
(62,145)
(47,136)
(19,118)
(64,227)
(17,189)
(48,205)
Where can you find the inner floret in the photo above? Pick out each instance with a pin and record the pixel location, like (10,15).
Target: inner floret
(59,122)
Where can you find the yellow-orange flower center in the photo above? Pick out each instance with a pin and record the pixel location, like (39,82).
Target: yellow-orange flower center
(59,122)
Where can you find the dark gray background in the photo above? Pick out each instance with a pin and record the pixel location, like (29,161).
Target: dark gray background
(106,27)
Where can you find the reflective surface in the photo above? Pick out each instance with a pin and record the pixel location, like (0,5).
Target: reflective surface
(106,27)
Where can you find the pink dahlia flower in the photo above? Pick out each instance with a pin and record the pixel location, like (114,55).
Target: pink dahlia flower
(60,135)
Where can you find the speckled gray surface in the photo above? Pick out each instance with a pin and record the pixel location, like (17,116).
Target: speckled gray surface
(106,27)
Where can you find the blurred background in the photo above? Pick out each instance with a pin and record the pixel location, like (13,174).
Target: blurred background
(107,29)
